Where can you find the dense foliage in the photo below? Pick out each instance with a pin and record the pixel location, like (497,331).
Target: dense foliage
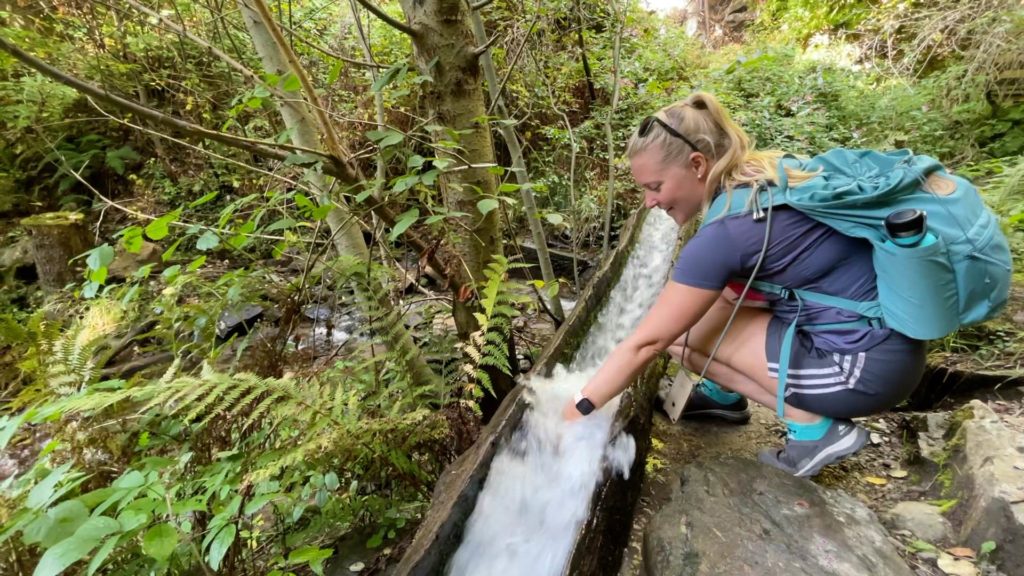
(143,431)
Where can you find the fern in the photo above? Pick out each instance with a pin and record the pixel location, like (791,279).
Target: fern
(488,346)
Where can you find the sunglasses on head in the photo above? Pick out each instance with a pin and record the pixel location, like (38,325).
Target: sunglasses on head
(647,123)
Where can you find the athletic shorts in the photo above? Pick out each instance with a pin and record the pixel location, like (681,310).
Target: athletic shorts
(841,385)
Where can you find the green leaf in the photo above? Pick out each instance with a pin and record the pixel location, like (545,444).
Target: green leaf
(921,546)
(160,541)
(169,253)
(171,272)
(158,229)
(65,519)
(208,241)
(132,519)
(282,224)
(203,200)
(509,187)
(331,481)
(115,159)
(101,555)
(486,205)
(291,83)
(415,161)
(41,493)
(100,257)
(391,139)
(98,276)
(220,546)
(64,554)
(387,77)
(196,264)
(987,547)
(78,546)
(301,159)
(554,218)
(403,222)
(131,239)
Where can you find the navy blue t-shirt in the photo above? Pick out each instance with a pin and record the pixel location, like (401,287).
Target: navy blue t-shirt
(802,253)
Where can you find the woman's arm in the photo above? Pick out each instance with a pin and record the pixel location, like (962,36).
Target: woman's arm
(677,309)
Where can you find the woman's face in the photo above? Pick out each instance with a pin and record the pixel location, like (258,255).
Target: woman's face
(678,189)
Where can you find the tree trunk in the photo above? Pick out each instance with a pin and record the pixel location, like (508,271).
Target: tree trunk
(609,135)
(348,238)
(56,238)
(445,51)
(519,167)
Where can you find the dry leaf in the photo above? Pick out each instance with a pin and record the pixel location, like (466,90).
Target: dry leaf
(956,567)
(961,552)
(876,438)
(357,567)
(898,473)
(876,480)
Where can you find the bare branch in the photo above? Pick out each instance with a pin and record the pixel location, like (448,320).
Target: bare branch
(376,11)
(487,46)
(235,64)
(476,6)
(511,67)
(327,51)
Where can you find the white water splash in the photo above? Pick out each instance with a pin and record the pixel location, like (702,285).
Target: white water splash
(540,483)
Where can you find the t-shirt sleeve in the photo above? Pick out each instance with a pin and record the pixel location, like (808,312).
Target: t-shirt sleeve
(709,259)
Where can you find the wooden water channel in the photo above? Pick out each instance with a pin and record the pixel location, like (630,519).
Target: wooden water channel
(599,546)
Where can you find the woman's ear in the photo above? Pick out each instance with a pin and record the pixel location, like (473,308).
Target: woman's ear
(700,165)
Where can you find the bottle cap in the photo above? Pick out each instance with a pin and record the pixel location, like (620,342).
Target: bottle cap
(905,223)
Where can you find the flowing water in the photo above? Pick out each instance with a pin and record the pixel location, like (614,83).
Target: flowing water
(539,486)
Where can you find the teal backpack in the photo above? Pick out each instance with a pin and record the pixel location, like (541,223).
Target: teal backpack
(959,276)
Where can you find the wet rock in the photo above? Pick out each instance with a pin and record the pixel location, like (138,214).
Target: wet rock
(16,259)
(992,502)
(931,435)
(923,520)
(239,321)
(317,312)
(735,516)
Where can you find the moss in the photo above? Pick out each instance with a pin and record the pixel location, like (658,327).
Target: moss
(54,219)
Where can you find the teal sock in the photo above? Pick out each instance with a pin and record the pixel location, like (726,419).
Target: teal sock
(812,431)
(717,393)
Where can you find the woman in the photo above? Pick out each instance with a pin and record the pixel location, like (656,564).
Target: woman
(683,157)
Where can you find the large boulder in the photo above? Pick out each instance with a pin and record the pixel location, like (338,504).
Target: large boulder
(990,481)
(736,517)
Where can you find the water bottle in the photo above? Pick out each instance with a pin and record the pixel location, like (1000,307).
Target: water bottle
(908,228)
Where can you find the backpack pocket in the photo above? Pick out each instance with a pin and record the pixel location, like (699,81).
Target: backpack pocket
(917,289)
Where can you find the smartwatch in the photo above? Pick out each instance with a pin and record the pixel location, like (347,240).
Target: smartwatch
(583,404)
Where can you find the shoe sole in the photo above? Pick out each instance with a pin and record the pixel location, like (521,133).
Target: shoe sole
(846,446)
(729,415)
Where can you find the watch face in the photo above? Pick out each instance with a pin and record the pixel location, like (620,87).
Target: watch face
(585,406)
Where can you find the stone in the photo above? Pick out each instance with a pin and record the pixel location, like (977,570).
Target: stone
(923,520)
(126,263)
(931,441)
(238,321)
(735,516)
(992,488)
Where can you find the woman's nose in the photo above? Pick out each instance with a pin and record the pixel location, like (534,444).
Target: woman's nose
(649,202)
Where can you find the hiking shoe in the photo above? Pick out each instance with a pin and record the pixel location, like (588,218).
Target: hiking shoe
(700,405)
(805,458)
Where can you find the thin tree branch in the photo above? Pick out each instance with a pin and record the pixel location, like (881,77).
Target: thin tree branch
(376,11)
(227,59)
(329,52)
(511,67)
(487,46)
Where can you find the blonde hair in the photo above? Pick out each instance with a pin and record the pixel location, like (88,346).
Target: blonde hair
(732,157)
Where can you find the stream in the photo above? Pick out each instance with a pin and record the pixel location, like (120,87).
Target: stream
(538,491)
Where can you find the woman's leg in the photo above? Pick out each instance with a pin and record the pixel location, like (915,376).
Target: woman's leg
(740,364)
